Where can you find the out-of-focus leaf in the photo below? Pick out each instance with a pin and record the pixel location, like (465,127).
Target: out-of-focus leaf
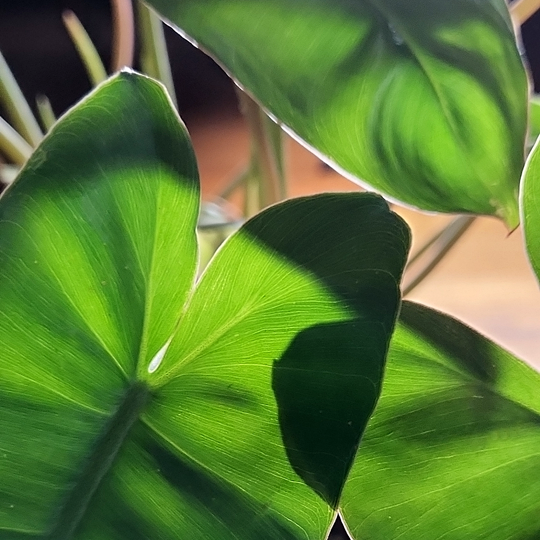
(530,207)
(426,101)
(534,118)
(134,407)
(453,448)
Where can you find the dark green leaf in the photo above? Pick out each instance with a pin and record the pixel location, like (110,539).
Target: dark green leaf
(452,450)
(425,101)
(132,407)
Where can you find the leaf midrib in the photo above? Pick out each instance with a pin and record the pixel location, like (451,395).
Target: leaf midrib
(100,460)
(413,48)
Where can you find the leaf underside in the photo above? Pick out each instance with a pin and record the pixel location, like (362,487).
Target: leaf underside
(425,101)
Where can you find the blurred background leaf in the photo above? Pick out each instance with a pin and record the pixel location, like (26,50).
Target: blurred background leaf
(378,88)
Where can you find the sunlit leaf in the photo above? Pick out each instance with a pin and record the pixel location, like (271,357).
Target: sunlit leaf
(426,101)
(534,118)
(453,448)
(134,407)
(530,207)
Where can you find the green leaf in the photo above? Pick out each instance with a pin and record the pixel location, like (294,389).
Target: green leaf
(96,268)
(530,206)
(452,450)
(134,407)
(534,118)
(426,101)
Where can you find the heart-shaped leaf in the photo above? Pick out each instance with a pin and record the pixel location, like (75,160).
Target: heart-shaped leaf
(426,101)
(452,450)
(530,206)
(134,407)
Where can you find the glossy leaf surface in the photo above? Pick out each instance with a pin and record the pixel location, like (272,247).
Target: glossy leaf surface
(131,406)
(530,207)
(426,101)
(452,450)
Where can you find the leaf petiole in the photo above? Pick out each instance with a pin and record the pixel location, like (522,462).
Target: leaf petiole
(13,145)
(86,49)
(448,238)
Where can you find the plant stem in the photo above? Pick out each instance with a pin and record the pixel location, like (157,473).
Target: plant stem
(263,153)
(17,107)
(46,112)
(428,244)
(523,10)
(123,34)
(252,202)
(86,49)
(8,173)
(13,146)
(235,183)
(276,135)
(154,56)
(448,238)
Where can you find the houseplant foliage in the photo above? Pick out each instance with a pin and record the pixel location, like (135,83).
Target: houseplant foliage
(137,406)
(530,198)
(378,88)
(452,448)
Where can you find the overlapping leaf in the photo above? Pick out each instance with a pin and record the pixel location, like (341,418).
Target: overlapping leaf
(453,448)
(534,117)
(132,407)
(425,101)
(530,206)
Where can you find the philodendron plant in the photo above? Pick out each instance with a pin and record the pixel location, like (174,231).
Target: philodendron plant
(136,404)
(139,402)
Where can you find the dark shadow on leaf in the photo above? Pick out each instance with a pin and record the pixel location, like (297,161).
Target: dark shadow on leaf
(326,385)
(350,242)
(328,380)
(468,349)
(222,501)
(453,415)
(470,406)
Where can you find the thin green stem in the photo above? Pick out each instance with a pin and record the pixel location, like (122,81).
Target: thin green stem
(435,238)
(523,10)
(234,184)
(123,34)
(262,151)
(276,136)
(46,113)
(154,56)
(17,107)
(448,239)
(12,145)
(252,192)
(86,49)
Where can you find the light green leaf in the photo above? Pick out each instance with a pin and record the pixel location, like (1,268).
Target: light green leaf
(97,257)
(426,101)
(134,407)
(534,117)
(453,448)
(530,207)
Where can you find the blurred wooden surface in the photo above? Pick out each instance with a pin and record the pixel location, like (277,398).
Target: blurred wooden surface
(485,281)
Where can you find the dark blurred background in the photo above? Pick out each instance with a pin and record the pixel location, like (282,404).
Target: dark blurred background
(44,61)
